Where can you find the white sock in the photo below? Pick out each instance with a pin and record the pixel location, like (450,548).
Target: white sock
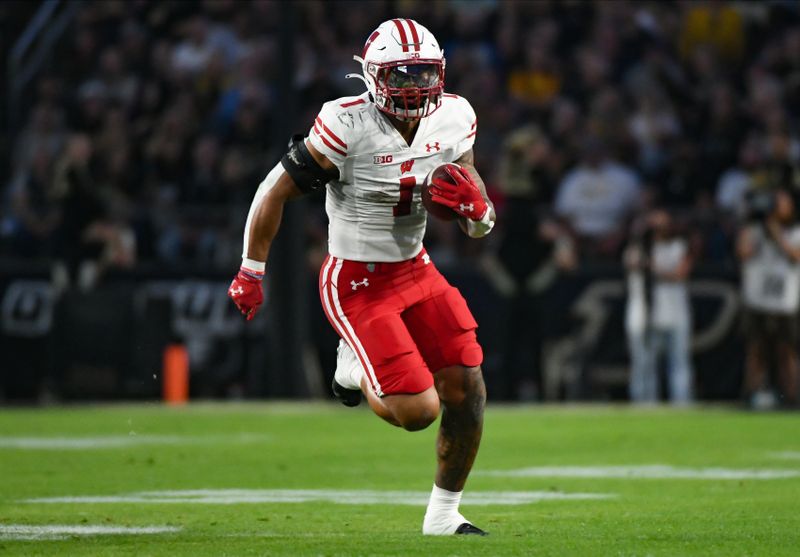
(442,517)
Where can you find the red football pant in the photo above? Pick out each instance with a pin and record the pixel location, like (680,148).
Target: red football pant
(403,320)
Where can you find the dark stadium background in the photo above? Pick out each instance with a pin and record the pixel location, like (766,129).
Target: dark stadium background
(166,139)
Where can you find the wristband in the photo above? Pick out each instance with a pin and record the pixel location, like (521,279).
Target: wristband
(480,228)
(253,269)
(257,267)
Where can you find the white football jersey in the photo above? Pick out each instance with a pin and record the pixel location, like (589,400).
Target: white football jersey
(374,209)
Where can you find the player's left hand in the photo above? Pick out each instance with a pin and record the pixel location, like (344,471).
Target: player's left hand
(463,197)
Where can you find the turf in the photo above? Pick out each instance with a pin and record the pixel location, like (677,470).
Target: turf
(301,446)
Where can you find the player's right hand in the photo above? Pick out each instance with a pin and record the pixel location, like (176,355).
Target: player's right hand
(246,291)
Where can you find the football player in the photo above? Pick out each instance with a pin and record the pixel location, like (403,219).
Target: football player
(407,337)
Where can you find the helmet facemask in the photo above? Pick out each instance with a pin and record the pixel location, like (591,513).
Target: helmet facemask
(409,89)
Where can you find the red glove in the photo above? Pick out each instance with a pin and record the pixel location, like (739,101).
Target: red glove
(246,291)
(464,197)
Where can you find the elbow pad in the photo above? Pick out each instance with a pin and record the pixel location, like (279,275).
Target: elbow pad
(307,174)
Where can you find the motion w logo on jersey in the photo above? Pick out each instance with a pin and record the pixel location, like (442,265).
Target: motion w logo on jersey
(406,166)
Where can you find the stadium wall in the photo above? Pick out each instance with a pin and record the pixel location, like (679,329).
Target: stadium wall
(108,343)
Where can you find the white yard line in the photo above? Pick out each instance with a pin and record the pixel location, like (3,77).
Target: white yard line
(655,472)
(786,455)
(62,443)
(347,497)
(62,531)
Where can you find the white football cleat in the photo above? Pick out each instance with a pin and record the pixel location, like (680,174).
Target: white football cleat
(346,384)
(448,524)
(442,517)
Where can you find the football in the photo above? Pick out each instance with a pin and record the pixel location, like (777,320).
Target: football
(435,209)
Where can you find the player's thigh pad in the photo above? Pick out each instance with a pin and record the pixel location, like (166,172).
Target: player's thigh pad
(444,330)
(393,354)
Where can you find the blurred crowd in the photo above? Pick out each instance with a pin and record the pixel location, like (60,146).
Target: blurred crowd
(147,133)
(637,135)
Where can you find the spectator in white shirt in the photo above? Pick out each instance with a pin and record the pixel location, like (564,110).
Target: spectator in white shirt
(192,55)
(670,264)
(769,250)
(658,317)
(595,199)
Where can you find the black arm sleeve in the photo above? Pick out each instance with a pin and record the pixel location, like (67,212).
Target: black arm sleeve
(307,174)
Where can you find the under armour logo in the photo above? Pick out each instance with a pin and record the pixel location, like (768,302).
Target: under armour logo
(466,208)
(406,166)
(433,146)
(355,284)
(238,291)
(426,258)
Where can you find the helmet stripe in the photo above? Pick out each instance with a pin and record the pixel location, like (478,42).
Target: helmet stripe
(369,42)
(414,34)
(403,37)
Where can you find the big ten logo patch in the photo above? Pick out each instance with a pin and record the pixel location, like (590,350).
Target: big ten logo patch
(382,159)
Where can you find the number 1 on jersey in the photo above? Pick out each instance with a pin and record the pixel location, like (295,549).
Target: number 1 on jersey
(403,206)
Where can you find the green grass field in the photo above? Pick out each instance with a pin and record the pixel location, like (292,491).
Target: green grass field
(249,459)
